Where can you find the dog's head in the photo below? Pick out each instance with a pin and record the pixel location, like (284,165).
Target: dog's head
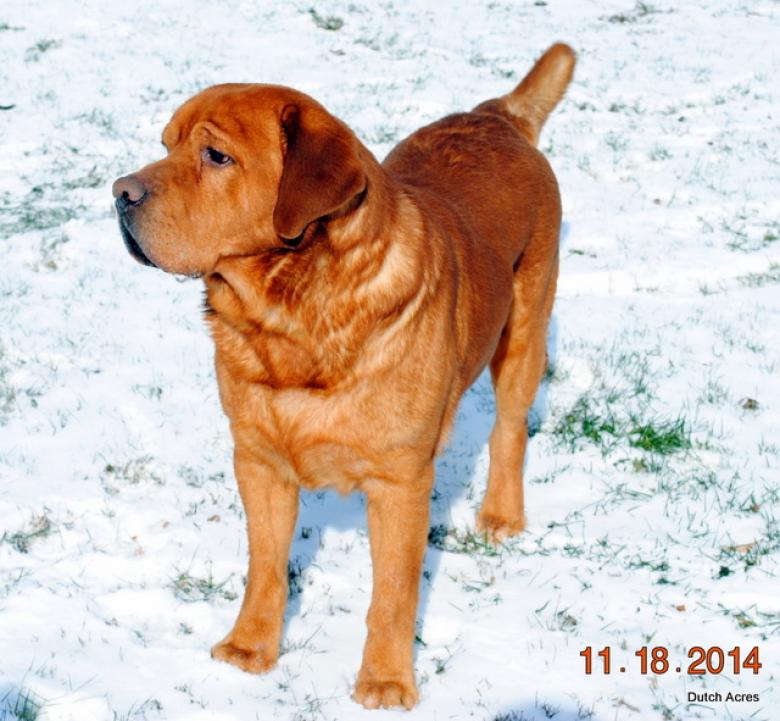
(249,167)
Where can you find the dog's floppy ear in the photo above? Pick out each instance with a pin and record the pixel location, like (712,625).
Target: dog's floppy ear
(322,171)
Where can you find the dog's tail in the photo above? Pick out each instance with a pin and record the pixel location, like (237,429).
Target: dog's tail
(541,90)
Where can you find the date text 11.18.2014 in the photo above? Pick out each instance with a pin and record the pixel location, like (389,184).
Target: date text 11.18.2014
(712,660)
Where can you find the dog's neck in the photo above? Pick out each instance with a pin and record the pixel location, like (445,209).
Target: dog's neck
(301,316)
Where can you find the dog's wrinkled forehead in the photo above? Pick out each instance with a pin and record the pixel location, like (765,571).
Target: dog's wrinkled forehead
(235,112)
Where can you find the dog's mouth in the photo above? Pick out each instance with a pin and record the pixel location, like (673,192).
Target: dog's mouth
(132,244)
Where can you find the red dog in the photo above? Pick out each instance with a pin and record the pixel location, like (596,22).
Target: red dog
(352,303)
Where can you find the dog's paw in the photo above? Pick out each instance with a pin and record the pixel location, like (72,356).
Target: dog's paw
(249,660)
(498,528)
(372,694)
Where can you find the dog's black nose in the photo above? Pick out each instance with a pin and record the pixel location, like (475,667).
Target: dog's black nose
(128,191)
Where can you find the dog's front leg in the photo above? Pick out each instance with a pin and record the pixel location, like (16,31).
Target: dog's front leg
(398,532)
(271,506)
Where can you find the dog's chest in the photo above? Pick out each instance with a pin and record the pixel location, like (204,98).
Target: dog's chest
(335,413)
(336,441)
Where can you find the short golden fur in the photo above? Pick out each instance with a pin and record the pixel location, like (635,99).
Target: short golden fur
(352,303)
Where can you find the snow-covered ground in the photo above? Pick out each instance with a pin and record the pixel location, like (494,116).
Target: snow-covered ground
(652,479)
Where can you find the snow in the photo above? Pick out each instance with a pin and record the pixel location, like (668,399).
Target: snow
(123,548)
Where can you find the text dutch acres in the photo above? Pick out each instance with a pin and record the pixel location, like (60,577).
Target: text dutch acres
(711,696)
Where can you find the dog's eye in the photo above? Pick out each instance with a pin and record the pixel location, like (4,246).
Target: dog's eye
(214,157)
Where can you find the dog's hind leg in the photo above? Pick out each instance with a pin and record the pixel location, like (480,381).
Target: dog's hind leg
(517,368)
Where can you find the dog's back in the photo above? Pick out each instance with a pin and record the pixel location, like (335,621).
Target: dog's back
(484,164)
(479,175)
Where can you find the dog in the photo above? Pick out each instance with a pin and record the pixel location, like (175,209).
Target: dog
(351,304)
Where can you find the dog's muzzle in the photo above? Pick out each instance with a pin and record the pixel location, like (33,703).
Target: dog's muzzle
(130,194)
